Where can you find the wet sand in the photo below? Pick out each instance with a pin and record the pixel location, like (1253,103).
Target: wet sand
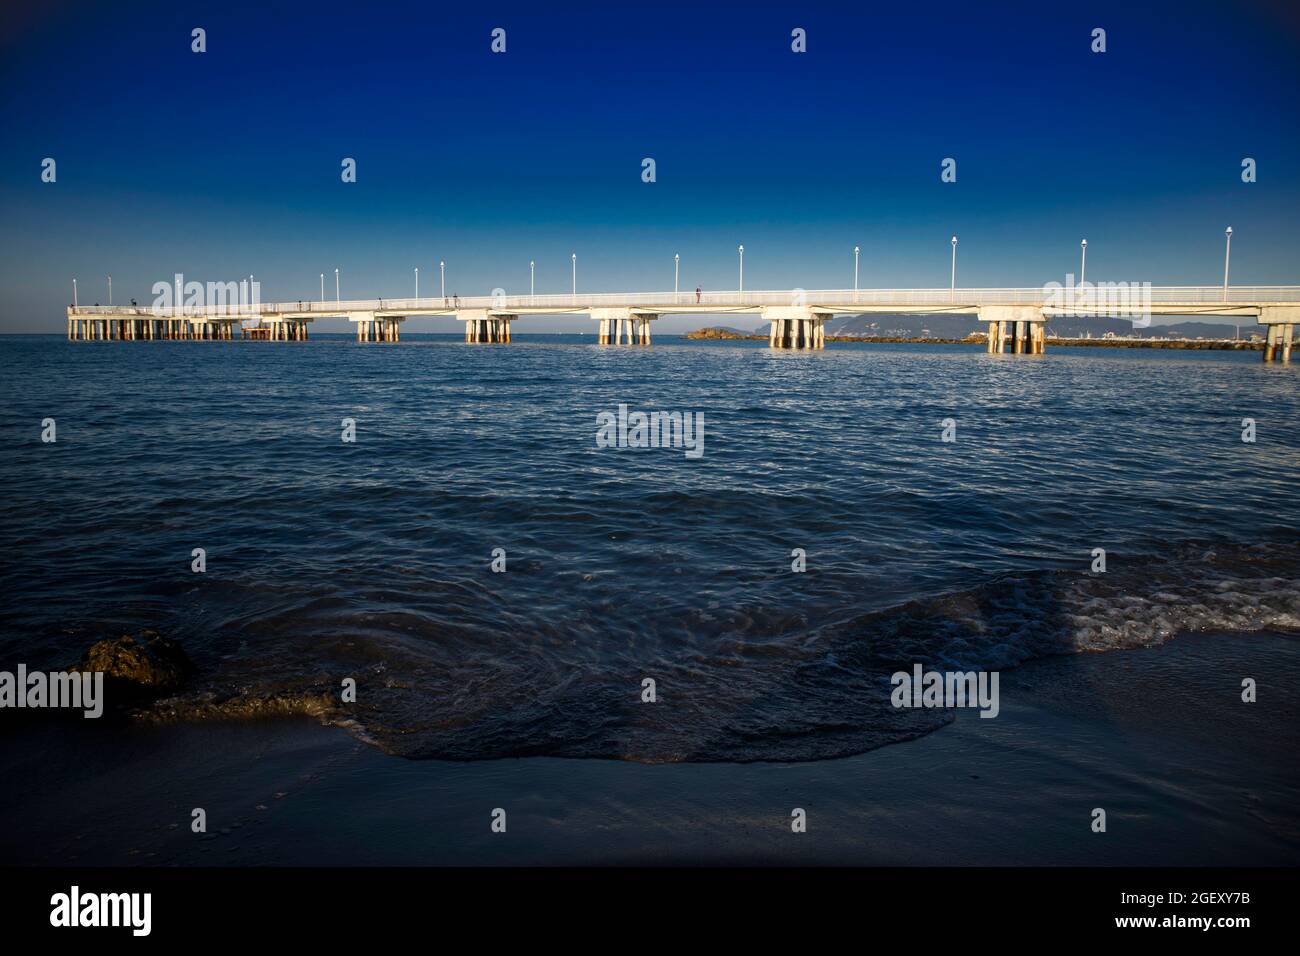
(1187,772)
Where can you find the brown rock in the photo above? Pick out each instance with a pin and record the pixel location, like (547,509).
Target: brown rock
(147,660)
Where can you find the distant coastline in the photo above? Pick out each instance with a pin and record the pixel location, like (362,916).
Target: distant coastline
(718,333)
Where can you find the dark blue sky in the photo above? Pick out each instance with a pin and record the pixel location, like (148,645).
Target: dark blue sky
(225,163)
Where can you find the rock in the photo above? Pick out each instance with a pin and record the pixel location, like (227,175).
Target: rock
(147,661)
(721,332)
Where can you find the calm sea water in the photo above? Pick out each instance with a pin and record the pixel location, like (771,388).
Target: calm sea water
(371,560)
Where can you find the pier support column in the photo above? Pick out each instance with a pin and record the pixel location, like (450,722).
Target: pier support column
(795,327)
(484,325)
(370,327)
(1279,322)
(613,325)
(1022,327)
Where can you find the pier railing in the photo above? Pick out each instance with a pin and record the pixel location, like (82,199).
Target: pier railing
(941,299)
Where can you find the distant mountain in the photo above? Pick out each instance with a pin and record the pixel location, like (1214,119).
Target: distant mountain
(959,326)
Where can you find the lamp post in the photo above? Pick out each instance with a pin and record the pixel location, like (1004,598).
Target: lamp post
(110,290)
(952,287)
(574,257)
(677,271)
(442,273)
(1083,261)
(1227,255)
(74,293)
(337,300)
(856,250)
(532,276)
(322,287)
(417,282)
(741,250)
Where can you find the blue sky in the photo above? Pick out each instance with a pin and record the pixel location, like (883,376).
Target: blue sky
(226,163)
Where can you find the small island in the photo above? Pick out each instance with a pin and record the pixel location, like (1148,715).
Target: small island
(723,332)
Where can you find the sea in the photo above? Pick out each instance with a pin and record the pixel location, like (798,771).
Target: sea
(437,525)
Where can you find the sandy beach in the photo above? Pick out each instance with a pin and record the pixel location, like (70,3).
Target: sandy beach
(1188,774)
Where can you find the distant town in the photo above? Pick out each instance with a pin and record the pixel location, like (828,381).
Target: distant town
(1095,331)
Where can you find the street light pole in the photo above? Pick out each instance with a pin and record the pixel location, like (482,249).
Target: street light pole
(417,282)
(74,293)
(574,257)
(337,300)
(677,271)
(442,272)
(1227,255)
(532,276)
(952,293)
(742,269)
(110,290)
(1083,261)
(322,287)
(856,250)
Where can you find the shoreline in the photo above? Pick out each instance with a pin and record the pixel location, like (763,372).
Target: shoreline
(1189,775)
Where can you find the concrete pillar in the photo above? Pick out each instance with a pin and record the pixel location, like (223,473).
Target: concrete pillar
(1279,322)
(616,326)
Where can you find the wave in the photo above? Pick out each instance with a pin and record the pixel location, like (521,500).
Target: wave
(726,693)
